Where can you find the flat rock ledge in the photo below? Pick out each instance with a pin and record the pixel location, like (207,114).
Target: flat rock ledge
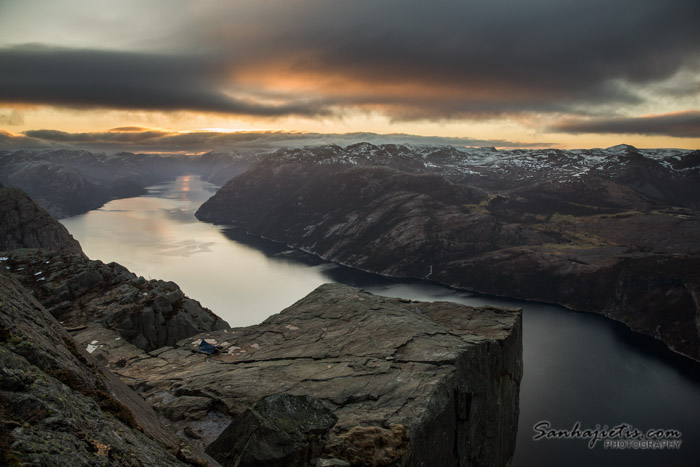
(410,383)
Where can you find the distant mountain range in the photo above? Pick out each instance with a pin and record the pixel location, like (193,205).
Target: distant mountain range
(613,231)
(67,183)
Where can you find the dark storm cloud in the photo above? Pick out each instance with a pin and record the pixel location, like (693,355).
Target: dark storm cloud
(145,139)
(409,59)
(683,90)
(114,136)
(483,56)
(126,80)
(678,124)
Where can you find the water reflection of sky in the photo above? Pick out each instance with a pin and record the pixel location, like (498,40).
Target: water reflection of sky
(578,367)
(157,236)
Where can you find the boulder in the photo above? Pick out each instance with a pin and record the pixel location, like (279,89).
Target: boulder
(278,431)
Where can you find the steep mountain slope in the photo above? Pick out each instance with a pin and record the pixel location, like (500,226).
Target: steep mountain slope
(149,314)
(58,406)
(23,224)
(611,231)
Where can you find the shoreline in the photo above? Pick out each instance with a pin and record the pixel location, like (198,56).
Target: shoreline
(653,341)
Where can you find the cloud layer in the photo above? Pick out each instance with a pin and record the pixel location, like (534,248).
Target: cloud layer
(126,80)
(679,124)
(144,139)
(407,59)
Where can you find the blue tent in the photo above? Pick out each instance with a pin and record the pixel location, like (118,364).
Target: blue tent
(206,347)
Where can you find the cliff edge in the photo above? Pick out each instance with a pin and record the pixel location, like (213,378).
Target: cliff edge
(81,292)
(341,378)
(410,383)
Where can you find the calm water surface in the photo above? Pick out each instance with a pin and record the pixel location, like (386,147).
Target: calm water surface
(578,367)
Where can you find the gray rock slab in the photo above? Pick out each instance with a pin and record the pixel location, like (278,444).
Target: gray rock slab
(410,383)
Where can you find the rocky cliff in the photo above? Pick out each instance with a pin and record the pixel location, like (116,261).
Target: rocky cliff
(339,378)
(341,375)
(26,225)
(58,406)
(406,383)
(81,292)
(611,231)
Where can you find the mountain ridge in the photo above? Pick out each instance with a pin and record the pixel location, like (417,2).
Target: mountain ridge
(581,230)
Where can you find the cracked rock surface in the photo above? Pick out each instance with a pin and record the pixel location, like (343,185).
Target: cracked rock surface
(411,383)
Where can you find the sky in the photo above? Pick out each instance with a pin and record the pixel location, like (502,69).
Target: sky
(186,75)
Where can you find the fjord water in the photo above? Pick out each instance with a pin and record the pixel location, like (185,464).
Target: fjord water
(578,367)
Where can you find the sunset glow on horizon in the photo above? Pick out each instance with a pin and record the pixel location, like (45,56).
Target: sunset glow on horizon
(529,74)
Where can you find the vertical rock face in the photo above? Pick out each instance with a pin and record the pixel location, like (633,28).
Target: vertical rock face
(23,224)
(410,383)
(57,407)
